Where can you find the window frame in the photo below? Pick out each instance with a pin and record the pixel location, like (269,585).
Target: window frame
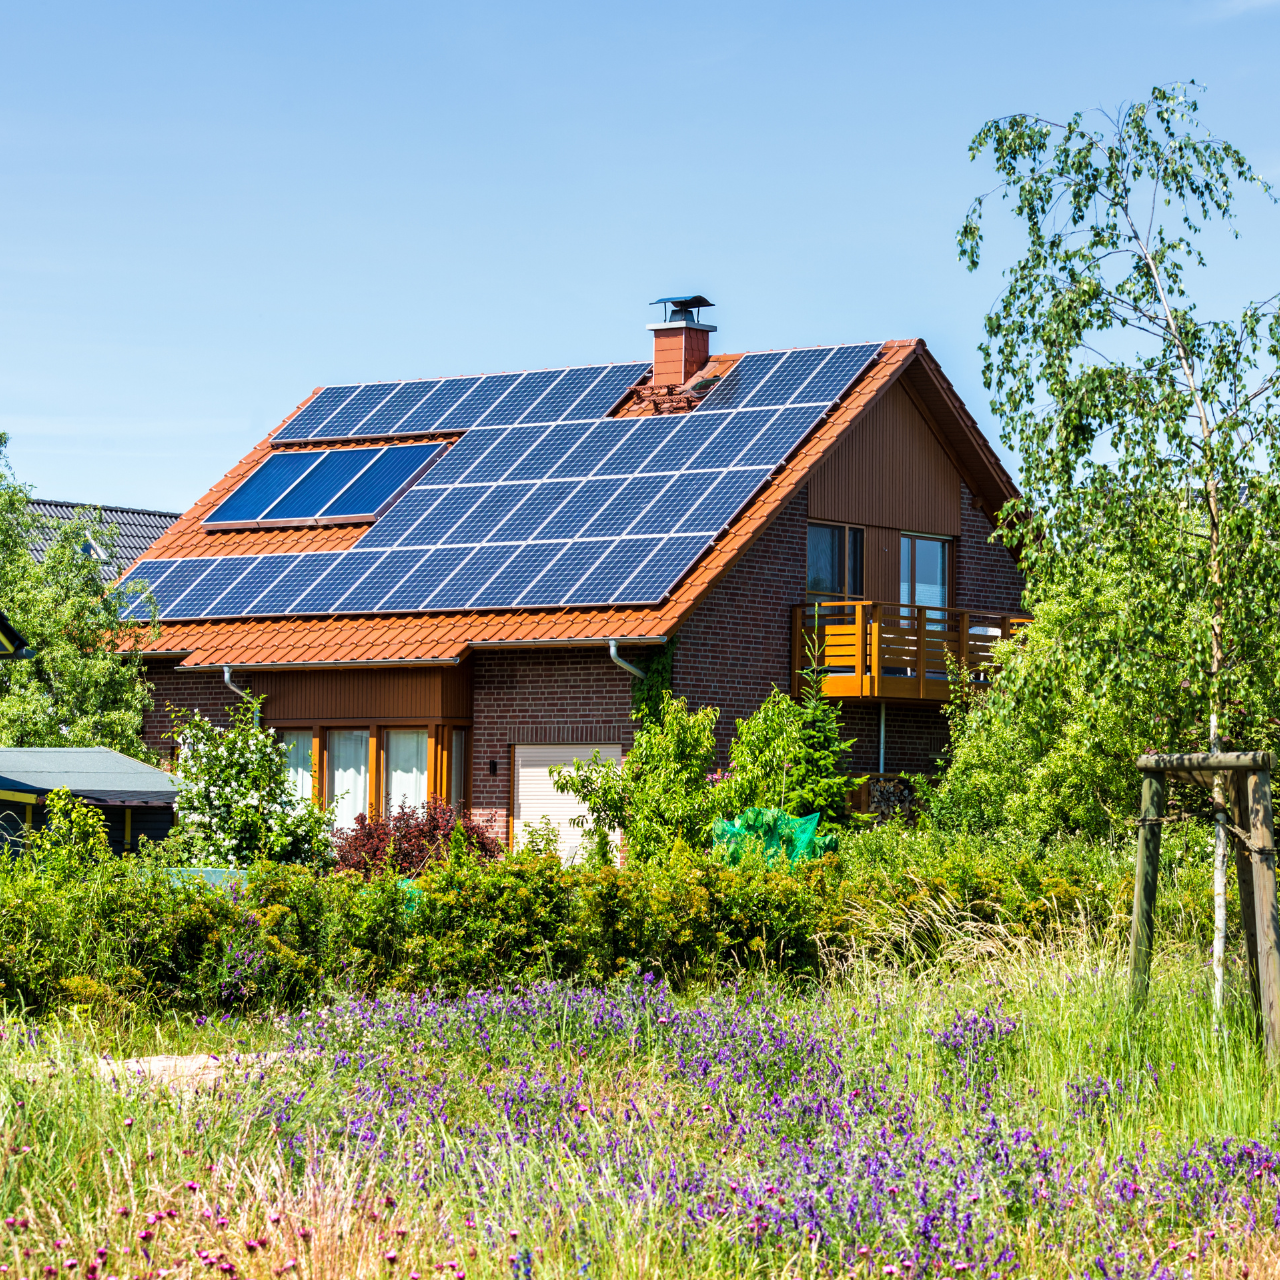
(949,543)
(847,566)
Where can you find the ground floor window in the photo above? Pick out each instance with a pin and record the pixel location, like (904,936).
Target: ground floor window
(535,798)
(298,760)
(407,769)
(348,774)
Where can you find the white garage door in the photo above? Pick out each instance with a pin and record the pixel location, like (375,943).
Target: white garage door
(536,798)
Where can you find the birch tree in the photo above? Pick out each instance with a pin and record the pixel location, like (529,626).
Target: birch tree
(1135,417)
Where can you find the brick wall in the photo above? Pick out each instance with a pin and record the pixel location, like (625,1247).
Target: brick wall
(987,576)
(202,691)
(542,695)
(913,737)
(736,645)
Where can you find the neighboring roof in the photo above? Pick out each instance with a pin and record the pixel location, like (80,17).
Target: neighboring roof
(435,638)
(94,773)
(136,529)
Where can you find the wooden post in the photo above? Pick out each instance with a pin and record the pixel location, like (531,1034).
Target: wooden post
(876,613)
(920,654)
(1262,836)
(1146,873)
(1244,882)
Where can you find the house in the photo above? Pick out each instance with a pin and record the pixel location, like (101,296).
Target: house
(135,530)
(443,586)
(134,798)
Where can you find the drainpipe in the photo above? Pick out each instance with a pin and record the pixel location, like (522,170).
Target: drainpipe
(881,737)
(613,653)
(244,693)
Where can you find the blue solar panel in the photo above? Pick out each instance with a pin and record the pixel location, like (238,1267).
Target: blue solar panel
(517,574)
(437,404)
(184,575)
(557,402)
(387,416)
(520,398)
(573,563)
(354,412)
(341,577)
(782,435)
(603,396)
(370,493)
(655,578)
(735,388)
(255,494)
(835,377)
(620,508)
(506,453)
(548,451)
(570,520)
(719,505)
(532,513)
(198,602)
(612,570)
(484,517)
(482,397)
(311,415)
(372,589)
(470,577)
(305,500)
(432,570)
(267,571)
(626,506)
(292,583)
(148,574)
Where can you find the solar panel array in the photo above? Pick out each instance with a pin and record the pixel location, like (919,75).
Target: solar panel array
(323,486)
(458,404)
(540,513)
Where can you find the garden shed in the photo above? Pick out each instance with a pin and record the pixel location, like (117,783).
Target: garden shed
(135,798)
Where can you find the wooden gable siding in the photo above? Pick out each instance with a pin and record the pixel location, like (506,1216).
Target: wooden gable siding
(889,471)
(331,697)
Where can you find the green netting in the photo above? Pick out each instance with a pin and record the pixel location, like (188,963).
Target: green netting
(780,833)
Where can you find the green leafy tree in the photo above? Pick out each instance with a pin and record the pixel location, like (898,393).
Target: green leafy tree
(235,801)
(1118,395)
(86,685)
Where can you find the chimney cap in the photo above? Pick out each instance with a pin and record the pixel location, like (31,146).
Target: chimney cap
(684,302)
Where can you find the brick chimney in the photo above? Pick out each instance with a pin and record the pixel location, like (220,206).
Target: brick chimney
(681,343)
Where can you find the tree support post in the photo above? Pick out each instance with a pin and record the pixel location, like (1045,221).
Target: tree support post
(1145,876)
(1239,797)
(1262,838)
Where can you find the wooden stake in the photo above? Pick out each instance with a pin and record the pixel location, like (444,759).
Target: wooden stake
(1244,882)
(1262,833)
(1146,873)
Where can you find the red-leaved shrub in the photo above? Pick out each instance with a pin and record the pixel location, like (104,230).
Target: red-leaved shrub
(409,837)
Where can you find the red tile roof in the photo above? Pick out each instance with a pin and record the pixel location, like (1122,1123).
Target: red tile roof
(447,637)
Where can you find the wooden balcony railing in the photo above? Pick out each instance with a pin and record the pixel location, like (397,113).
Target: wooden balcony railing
(895,651)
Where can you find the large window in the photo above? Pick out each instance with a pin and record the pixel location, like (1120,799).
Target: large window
(298,760)
(835,561)
(924,575)
(408,760)
(348,752)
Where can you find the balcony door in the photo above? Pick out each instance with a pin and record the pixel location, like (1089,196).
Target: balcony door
(924,575)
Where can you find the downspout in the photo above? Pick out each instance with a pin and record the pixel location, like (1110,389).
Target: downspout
(613,653)
(882,737)
(244,693)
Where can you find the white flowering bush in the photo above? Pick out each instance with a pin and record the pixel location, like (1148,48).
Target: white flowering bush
(235,802)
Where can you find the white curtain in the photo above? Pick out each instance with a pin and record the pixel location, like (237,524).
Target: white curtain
(298,761)
(407,780)
(349,773)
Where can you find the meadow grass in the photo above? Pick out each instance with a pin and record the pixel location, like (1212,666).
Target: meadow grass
(995,1109)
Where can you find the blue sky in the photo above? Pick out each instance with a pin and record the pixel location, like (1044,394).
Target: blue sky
(208,209)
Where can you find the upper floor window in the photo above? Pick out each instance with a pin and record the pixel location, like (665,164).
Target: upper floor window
(835,561)
(924,575)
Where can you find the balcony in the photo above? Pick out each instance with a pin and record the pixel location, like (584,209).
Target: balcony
(895,652)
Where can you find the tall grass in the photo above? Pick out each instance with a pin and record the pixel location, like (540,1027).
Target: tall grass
(989,1105)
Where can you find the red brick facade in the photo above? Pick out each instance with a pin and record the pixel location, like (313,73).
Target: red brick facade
(542,695)
(201,690)
(736,645)
(987,576)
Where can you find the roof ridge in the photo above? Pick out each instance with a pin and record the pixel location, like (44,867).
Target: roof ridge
(104,506)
